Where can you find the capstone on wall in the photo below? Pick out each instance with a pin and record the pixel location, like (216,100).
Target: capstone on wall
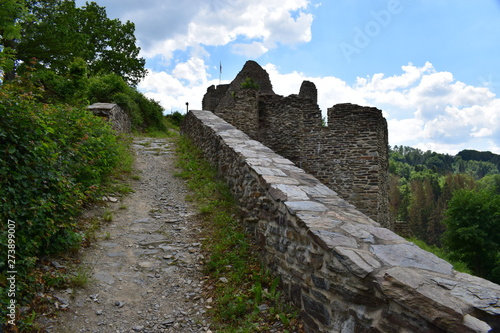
(119,120)
(339,267)
(349,155)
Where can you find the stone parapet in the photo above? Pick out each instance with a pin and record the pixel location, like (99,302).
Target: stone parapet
(339,267)
(119,120)
(350,155)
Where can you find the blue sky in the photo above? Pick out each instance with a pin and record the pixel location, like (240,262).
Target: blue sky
(432,66)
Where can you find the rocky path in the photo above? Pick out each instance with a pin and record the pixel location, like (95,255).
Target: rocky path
(147,266)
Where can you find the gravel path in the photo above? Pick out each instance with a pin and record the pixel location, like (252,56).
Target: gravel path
(147,269)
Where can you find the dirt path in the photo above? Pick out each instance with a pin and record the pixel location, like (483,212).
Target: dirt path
(147,267)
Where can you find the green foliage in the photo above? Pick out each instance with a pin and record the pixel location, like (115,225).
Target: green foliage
(473,231)
(175,119)
(12,13)
(490,183)
(74,87)
(483,156)
(423,182)
(451,203)
(406,160)
(53,158)
(66,87)
(249,83)
(58,32)
(144,112)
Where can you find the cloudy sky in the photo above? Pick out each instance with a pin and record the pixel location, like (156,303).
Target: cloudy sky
(432,66)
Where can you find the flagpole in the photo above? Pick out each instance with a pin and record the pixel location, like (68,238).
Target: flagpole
(220,71)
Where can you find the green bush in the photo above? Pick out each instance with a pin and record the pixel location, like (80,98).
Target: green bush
(145,113)
(52,159)
(473,231)
(175,119)
(102,89)
(249,83)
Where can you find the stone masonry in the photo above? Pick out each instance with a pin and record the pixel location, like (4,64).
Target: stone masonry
(119,120)
(349,155)
(341,269)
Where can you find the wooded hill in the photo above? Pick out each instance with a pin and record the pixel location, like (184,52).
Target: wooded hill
(452,202)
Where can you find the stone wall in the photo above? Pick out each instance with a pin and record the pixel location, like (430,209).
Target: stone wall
(120,121)
(350,155)
(345,272)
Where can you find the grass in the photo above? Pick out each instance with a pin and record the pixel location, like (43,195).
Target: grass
(81,277)
(245,296)
(107,216)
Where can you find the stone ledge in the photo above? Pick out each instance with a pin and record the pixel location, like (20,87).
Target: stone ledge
(307,230)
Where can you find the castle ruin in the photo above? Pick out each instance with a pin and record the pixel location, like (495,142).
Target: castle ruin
(349,154)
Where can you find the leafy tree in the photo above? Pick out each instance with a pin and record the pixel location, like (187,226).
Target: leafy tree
(491,183)
(59,32)
(473,231)
(484,156)
(12,12)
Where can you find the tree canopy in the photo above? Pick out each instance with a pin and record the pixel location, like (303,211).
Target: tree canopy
(473,231)
(56,32)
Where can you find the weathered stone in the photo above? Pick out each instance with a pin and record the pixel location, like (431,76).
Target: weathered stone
(411,290)
(269,171)
(119,120)
(480,293)
(330,240)
(358,232)
(360,262)
(410,255)
(338,265)
(292,193)
(292,126)
(382,233)
(316,310)
(296,294)
(476,325)
(318,191)
(320,282)
(295,206)
(280,180)
(318,221)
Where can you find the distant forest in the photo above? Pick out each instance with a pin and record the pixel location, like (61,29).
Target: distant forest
(450,202)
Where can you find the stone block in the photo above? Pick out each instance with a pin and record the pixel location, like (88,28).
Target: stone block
(410,255)
(359,262)
(412,291)
(316,310)
(330,240)
(311,206)
(320,282)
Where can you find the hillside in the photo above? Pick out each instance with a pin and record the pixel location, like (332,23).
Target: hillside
(446,201)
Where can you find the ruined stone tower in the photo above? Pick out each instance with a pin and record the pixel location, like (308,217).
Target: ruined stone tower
(349,155)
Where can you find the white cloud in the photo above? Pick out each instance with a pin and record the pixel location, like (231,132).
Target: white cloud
(193,71)
(460,113)
(405,130)
(425,108)
(188,82)
(164,26)
(252,51)
(481,132)
(331,90)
